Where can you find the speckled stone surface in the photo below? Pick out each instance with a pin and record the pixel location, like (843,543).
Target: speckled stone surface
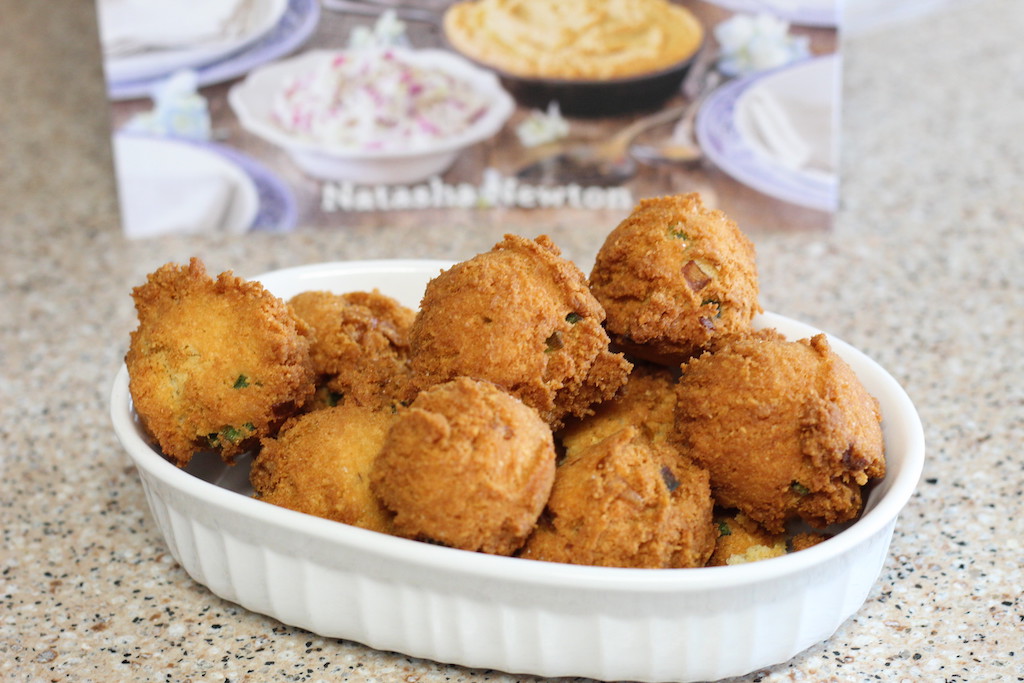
(924,272)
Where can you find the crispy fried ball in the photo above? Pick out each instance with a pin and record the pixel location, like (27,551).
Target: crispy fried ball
(214,364)
(361,345)
(521,317)
(626,502)
(647,401)
(805,540)
(467,465)
(320,464)
(742,540)
(785,428)
(672,276)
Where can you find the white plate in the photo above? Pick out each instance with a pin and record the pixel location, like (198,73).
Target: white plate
(177,186)
(156,63)
(299,22)
(823,13)
(511,614)
(726,135)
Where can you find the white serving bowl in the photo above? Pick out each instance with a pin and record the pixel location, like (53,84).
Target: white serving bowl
(511,614)
(252,101)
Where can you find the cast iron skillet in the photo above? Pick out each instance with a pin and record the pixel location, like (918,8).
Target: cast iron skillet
(594,98)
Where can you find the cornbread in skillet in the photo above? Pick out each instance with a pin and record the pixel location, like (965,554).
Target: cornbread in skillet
(574,39)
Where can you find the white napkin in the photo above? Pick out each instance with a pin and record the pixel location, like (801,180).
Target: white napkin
(133,26)
(797,135)
(164,201)
(168,202)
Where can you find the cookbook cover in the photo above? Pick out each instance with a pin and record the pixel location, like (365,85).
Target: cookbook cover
(231,116)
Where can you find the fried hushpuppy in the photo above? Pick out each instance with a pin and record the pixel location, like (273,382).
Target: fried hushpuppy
(672,276)
(805,540)
(214,364)
(320,464)
(361,345)
(625,501)
(647,401)
(785,428)
(520,316)
(742,540)
(467,465)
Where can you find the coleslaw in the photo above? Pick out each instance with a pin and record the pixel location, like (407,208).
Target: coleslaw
(376,100)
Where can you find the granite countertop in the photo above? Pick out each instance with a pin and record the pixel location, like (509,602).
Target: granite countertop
(922,271)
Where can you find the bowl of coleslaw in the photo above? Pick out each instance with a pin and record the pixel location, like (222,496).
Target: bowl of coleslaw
(372,116)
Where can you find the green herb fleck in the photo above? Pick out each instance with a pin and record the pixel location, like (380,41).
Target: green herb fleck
(723,529)
(716,303)
(675,230)
(242,382)
(799,489)
(573,318)
(229,435)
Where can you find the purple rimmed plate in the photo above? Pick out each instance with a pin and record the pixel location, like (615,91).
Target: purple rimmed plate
(295,27)
(729,147)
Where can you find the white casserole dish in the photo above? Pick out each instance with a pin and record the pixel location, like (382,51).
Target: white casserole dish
(511,614)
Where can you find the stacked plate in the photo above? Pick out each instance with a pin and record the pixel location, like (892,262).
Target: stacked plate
(145,41)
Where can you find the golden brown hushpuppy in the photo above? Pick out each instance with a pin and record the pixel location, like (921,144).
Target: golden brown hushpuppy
(215,364)
(785,428)
(804,540)
(742,540)
(361,344)
(519,316)
(672,276)
(320,464)
(467,465)
(625,501)
(647,401)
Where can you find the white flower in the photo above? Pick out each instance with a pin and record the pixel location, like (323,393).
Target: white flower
(751,43)
(540,127)
(733,34)
(388,31)
(766,53)
(178,110)
(768,26)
